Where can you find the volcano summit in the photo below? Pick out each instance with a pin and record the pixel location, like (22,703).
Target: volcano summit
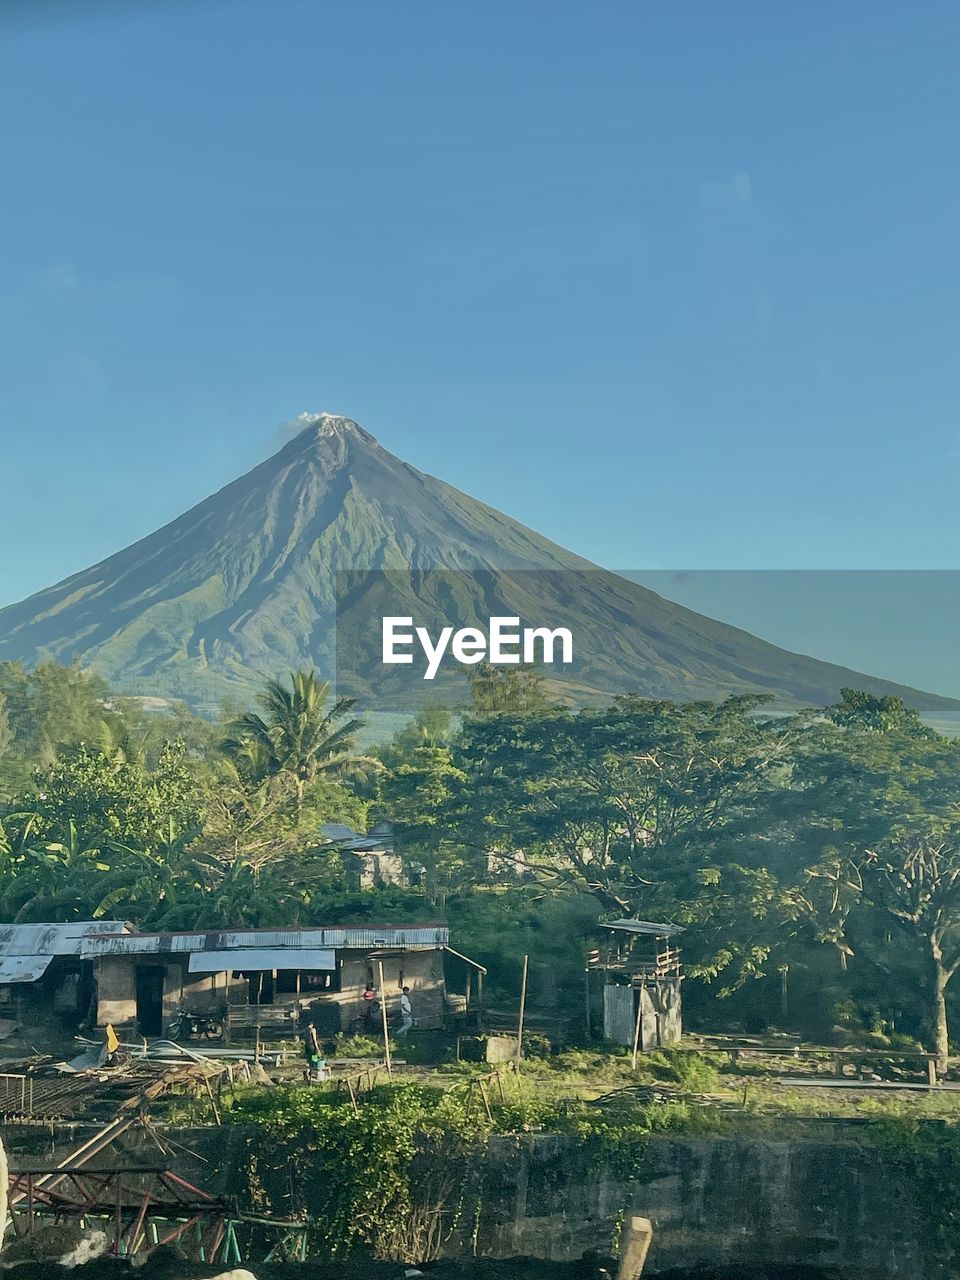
(243,585)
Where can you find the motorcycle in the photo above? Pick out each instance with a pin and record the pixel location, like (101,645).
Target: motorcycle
(370,1021)
(195,1025)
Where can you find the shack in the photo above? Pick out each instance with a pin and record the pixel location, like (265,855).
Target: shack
(42,971)
(634,977)
(369,861)
(271,978)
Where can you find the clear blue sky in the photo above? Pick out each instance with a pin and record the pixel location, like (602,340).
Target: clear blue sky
(674,283)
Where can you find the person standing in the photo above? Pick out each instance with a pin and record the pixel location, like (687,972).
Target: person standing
(316,1065)
(406,1013)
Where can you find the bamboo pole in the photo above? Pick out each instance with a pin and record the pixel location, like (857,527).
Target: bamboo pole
(383,1019)
(523,1009)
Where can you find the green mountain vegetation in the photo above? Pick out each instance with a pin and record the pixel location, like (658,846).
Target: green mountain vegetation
(245,585)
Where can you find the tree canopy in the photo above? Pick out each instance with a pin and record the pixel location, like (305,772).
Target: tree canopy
(824,845)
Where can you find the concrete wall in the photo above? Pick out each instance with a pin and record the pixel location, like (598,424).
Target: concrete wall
(712,1200)
(116,991)
(117,988)
(421,971)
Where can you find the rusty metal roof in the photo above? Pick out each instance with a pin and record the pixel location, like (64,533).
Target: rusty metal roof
(52,939)
(338,937)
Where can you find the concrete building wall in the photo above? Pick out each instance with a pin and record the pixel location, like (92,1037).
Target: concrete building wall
(116,991)
(421,971)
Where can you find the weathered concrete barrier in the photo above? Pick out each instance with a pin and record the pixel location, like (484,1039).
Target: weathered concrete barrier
(712,1201)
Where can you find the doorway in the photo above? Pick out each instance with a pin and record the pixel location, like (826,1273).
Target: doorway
(150,999)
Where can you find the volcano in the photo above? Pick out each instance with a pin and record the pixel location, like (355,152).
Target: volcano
(244,585)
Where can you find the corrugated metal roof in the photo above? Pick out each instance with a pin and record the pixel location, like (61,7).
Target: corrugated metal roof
(341,938)
(338,831)
(645,926)
(262,958)
(23,968)
(345,837)
(52,939)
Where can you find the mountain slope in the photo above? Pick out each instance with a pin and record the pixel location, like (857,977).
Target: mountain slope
(243,585)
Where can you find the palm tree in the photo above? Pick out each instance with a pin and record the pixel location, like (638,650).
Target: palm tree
(298,737)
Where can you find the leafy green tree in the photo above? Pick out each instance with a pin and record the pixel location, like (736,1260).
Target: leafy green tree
(260,820)
(91,823)
(107,799)
(299,736)
(860,710)
(54,706)
(506,691)
(415,797)
(915,876)
(51,880)
(654,808)
(6,728)
(873,831)
(432,726)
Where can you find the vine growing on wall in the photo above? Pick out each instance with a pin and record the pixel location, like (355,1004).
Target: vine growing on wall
(382,1178)
(927,1152)
(396,1176)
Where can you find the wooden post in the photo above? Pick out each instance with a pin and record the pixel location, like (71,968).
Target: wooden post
(523,1008)
(479,1000)
(486,1100)
(636,1031)
(636,1246)
(931,1070)
(383,1019)
(586,1000)
(213,1103)
(4,1192)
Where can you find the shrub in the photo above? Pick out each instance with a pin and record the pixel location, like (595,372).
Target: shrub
(356,1047)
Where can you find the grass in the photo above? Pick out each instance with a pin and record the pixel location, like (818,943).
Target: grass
(747,1096)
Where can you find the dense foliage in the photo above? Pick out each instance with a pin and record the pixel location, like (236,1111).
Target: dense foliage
(408,1170)
(813,861)
(402,1173)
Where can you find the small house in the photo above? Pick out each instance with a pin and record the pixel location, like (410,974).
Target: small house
(271,977)
(42,970)
(370,861)
(634,977)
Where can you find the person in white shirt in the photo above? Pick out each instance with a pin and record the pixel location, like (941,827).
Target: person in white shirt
(406,1013)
